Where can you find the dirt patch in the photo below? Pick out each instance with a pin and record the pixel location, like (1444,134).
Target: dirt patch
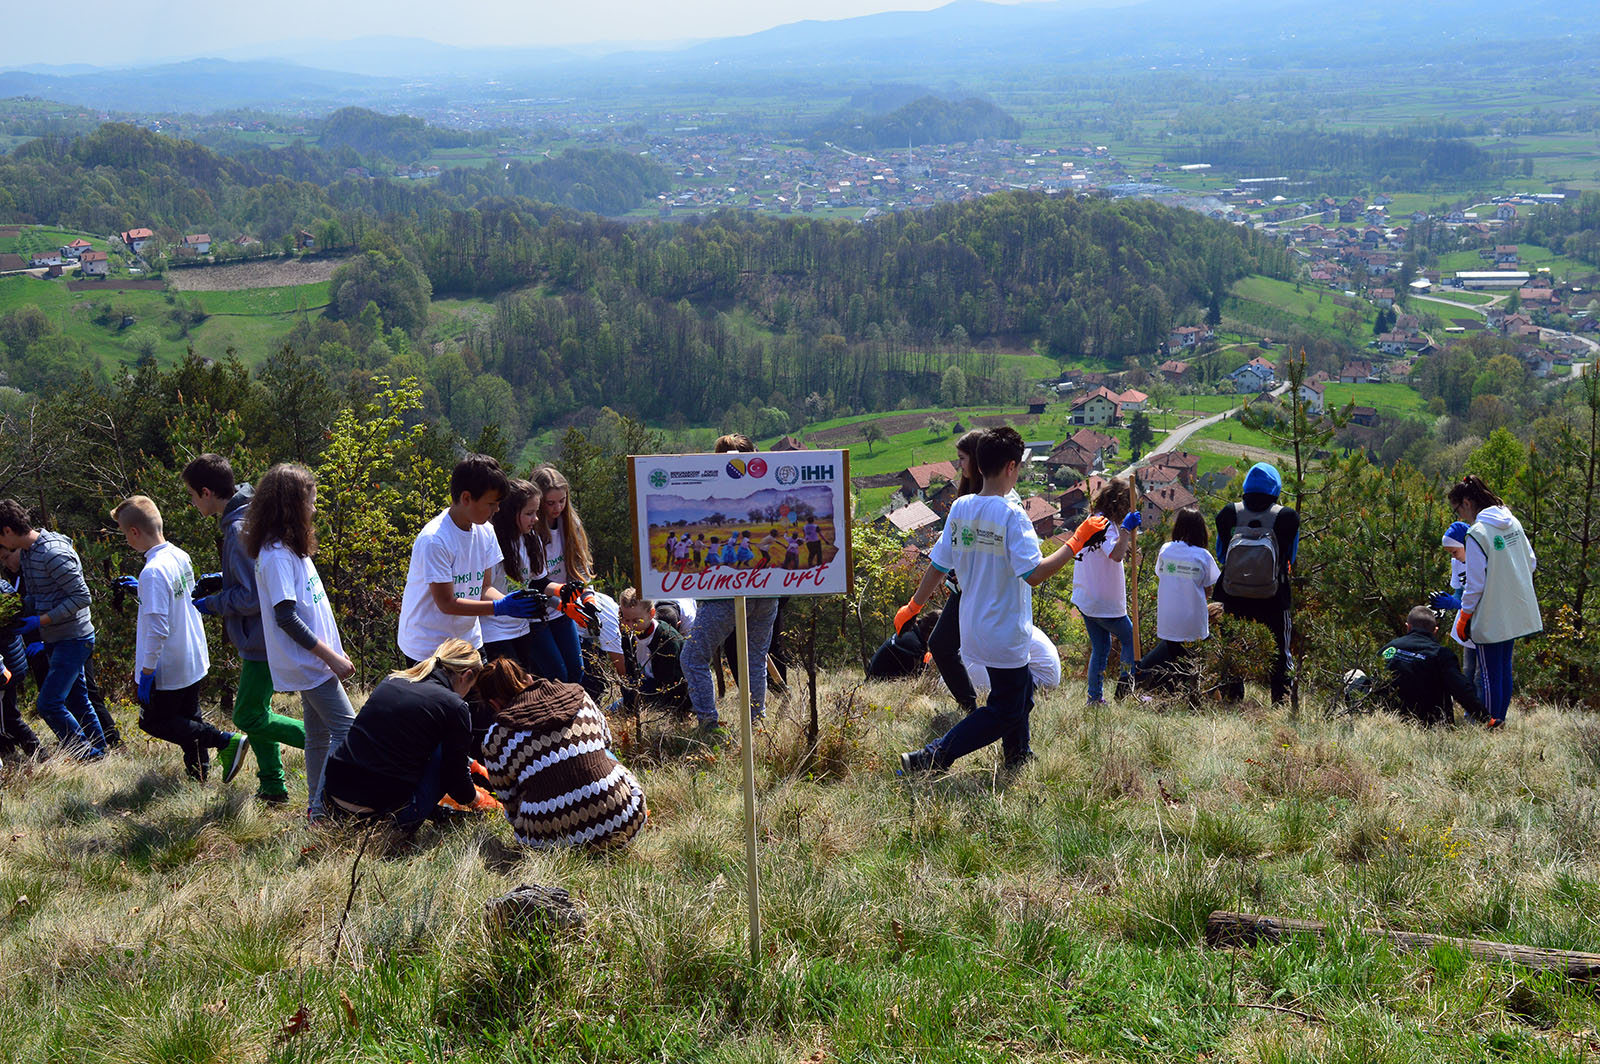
(272,273)
(116,286)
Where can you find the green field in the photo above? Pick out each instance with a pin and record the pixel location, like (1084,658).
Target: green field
(35,238)
(268,301)
(251,333)
(1455,295)
(1231,431)
(1390,398)
(1276,305)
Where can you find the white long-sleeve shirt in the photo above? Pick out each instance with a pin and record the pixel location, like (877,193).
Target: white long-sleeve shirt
(1494,518)
(170,638)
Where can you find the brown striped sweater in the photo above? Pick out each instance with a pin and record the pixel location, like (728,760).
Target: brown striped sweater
(547,759)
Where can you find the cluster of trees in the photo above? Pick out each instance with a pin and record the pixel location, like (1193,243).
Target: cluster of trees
(1344,162)
(396,138)
(926,120)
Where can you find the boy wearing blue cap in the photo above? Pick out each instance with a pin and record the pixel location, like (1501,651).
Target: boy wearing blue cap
(1257,538)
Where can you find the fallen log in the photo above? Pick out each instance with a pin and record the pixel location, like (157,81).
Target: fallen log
(1243,929)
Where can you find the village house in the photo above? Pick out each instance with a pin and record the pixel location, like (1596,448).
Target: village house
(916,522)
(917,482)
(1070,459)
(136,239)
(94,263)
(1383,297)
(1158,506)
(198,243)
(1364,415)
(1313,396)
(1132,401)
(1356,372)
(1183,466)
(1217,480)
(1254,376)
(1175,370)
(1505,254)
(76,248)
(787,443)
(1099,407)
(1042,514)
(1188,336)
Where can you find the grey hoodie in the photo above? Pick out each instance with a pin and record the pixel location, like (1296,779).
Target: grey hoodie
(237,603)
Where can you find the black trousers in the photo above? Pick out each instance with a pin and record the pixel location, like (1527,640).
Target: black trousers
(1276,617)
(14,731)
(944,643)
(175,717)
(1168,665)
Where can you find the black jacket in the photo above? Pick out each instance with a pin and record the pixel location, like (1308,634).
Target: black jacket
(900,655)
(1423,679)
(664,682)
(1285,533)
(382,759)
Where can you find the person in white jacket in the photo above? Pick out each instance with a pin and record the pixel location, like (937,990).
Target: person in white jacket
(1498,604)
(170,650)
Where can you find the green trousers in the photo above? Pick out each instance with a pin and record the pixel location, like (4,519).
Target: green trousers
(252,712)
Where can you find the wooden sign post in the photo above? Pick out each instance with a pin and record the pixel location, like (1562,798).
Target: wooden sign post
(766,526)
(1133,553)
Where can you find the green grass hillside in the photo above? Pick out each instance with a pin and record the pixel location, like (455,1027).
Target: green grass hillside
(1053,916)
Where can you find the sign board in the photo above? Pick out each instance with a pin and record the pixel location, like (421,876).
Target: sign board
(734,525)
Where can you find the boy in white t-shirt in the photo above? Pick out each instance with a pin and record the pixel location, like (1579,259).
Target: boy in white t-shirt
(170,652)
(446,586)
(1185,573)
(1044,663)
(990,544)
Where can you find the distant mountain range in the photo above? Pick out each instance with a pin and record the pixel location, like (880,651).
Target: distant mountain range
(967,39)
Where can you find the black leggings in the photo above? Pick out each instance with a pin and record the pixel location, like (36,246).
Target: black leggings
(175,717)
(944,643)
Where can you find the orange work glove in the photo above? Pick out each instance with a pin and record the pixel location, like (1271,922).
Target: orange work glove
(904,615)
(1091,527)
(1463,625)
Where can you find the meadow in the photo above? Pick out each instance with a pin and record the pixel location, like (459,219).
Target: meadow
(1053,914)
(250,321)
(1281,306)
(1390,397)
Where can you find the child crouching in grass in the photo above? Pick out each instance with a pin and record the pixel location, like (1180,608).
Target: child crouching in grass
(171,656)
(1185,573)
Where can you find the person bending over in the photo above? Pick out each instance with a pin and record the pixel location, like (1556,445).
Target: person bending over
(410,744)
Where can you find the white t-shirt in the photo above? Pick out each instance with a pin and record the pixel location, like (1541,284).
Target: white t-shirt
(610,635)
(444,553)
(497,629)
(170,637)
(1044,663)
(687,608)
(990,545)
(1458,584)
(555,566)
(1183,573)
(284,576)
(1099,585)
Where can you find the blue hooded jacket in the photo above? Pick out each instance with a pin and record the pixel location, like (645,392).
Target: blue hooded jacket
(1263,479)
(237,602)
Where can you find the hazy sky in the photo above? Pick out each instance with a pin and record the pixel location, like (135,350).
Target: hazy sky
(118,34)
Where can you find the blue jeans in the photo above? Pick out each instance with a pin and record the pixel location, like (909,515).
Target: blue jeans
(1494,677)
(1101,629)
(1004,717)
(64,699)
(327,713)
(711,626)
(555,650)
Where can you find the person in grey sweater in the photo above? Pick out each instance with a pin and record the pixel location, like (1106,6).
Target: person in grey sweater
(232,595)
(56,611)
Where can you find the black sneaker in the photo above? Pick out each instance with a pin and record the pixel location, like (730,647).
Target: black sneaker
(272,799)
(232,756)
(1124,686)
(915,761)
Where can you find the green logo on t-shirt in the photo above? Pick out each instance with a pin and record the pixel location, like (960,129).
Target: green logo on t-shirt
(966,536)
(1388,652)
(1172,567)
(1499,543)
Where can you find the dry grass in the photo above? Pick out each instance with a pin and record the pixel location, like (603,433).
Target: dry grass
(970,917)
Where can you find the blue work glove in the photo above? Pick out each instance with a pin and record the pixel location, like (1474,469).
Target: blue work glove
(147,685)
(129,582)
(1132,521)
(203,608)
(208,584)
(521,604)
(1445,601)
(33,648)
(27,626)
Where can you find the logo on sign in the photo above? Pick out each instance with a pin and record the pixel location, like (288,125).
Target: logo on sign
(757,467)
(658,478)
(787,474)
(736,468)
(816,474)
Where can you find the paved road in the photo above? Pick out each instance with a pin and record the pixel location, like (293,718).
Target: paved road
(1175,438)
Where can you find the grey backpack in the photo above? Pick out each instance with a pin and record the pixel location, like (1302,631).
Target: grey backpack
(1251,570)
